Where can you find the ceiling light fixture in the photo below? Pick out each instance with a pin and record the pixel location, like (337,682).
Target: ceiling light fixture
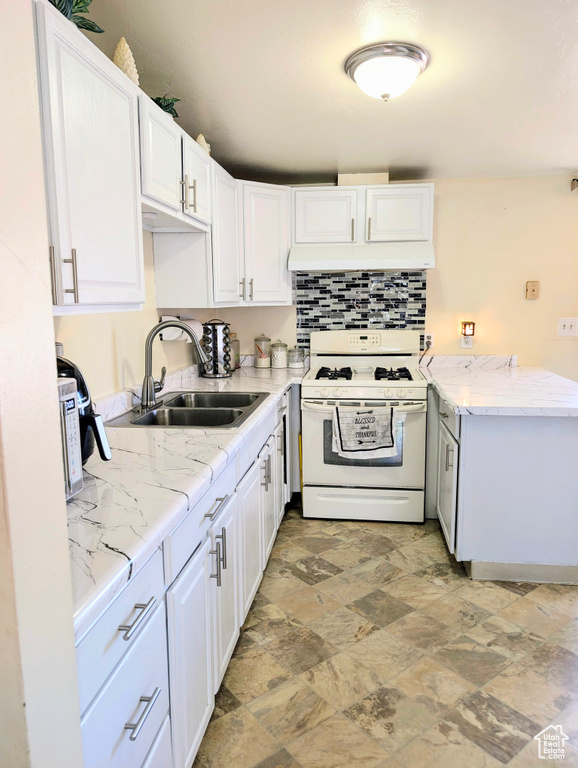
(386,70)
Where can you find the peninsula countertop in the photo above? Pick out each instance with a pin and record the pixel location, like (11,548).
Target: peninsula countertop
(130,504)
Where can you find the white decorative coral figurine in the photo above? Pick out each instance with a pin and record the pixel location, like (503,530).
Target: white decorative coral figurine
(124,60)
(202,142)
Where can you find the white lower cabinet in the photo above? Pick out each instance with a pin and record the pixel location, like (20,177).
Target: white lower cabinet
(189,647)
(267,457)
(161,754)
(447,485)
(249,497)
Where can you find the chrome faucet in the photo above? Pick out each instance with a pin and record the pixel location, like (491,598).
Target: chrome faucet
(150,387)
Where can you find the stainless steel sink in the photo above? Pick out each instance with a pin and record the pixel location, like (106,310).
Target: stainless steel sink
(178,410)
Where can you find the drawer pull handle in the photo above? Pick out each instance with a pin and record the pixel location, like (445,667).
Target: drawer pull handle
(217,552)
(443,415)
(146,609)
(74,289)
(223,537)
(220,502)
(137,727)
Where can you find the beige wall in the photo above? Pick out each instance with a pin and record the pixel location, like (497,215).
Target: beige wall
(491,236)
(39,712)
(250,322)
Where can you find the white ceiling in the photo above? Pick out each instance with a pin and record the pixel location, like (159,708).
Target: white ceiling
(264,81)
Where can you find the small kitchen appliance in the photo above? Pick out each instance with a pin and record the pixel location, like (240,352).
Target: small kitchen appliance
(218,349)
(91,426)
(70,431)
(369,370)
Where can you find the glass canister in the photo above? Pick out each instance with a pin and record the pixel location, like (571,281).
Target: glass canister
(235,350)
(279,354)
(262,351)
(296,357)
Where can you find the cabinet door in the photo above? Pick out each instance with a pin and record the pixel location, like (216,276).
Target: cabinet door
(227,258)
(402,212)
(447,491)
(161,160)
(225,590)
(90,126)
(197,180)
(189,634)
(269,515)
(249,496)
(279,471)
(266,210)
(325,215)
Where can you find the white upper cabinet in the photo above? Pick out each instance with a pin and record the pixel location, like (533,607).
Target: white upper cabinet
(227,257)
(266,235)
(161,161)
(90,127)
(325,215)
(196,180)
(400,212)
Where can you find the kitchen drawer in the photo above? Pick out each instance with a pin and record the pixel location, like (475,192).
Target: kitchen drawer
(186,537)
(142,673)
(449,418)
(102,648)
(161,754)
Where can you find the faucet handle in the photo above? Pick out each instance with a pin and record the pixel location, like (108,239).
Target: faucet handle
(160,384)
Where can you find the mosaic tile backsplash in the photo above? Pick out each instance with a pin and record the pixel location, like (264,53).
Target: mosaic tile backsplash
(335,301)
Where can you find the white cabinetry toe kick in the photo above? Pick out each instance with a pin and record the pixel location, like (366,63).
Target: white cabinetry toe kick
(380,504)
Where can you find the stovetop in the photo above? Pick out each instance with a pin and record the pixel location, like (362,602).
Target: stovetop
(378,374)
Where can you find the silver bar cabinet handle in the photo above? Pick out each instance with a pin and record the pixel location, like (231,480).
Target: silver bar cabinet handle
(352,230)
(217,552)
(52,274)
(137,727)
(74,289)
(220,501)
(448,453)
(242,284)
(223,537)
(265,481)
(251,289)
(369,228)
(146,610)
(185,188)
(193,186)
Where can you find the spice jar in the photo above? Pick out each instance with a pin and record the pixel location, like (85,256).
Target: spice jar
(262,351)
(279,355)
(296,357)
(235,350)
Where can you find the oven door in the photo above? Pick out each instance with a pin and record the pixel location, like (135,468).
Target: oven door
(322,466)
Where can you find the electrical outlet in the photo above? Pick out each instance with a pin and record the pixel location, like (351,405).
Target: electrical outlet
(466,342)
(428,337)
(568,326)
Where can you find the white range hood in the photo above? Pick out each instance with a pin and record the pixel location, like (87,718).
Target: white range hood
(371,257)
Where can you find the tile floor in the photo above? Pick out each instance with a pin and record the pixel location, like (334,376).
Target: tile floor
(368,647)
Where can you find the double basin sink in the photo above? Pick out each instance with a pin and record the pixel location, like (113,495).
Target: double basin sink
(224,410)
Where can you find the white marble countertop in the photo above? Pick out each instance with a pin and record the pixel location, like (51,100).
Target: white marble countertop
(131,503)
(504,391)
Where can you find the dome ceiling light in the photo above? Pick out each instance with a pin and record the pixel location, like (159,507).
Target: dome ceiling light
(386,70)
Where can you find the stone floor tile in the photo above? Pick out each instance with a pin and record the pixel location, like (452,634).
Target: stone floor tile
(236,739)
(443,746)
(346,556)
(400,532)
(380,608)
(487,595)
(557,664)
(289,551)
(225,702)
(342,627)
(450,575)
(435,686)
(567,637)
(568,719)
(317,542)
(422,631)
(378,572)
(529,758)
(336,743)
(529,693)
(345,587)
(410,559)
(415,591)
(314,569)
(384,654)
(253,673)
(268,623)
(281,759)
(432,526)
(341,680)
(434,543)
(259,600)
(243,644)
(471,660)
(276,588)
(455,612)
(560,597)
(301,649)
(494,726)
(539,619)
(520,588)
(375,544)
(390,717)
(307,603)
(507,638)
(290,710)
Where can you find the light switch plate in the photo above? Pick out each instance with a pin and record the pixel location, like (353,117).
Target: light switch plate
(532,289)
(568,326)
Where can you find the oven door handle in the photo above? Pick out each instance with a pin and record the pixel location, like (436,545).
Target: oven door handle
(412,408)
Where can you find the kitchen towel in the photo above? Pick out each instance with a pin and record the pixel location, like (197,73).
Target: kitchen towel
(365,433)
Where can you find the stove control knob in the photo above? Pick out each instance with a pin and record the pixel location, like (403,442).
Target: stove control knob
(337,392)
(400,392)
(388,392)
(324,392)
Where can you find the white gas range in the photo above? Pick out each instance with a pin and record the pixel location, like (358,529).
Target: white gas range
(366,369)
